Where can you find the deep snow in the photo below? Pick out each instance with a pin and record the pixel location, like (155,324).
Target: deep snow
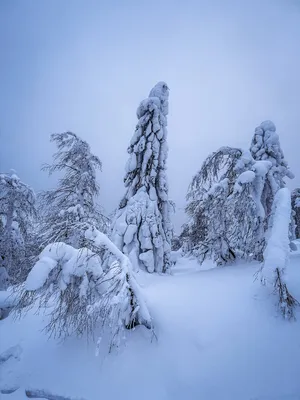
(219,337)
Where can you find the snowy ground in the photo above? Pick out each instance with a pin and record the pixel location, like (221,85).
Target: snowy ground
(219,337)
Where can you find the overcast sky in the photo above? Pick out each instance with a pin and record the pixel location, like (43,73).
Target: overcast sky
(85,65)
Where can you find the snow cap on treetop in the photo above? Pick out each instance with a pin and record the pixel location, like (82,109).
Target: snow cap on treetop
(160,90)
(267,126)
(158,99)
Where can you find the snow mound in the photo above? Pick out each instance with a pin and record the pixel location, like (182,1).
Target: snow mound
(218,338)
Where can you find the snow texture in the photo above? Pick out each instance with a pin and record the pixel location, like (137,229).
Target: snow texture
(218,339)
(44,394)
(142,227)
(84,296)
(140,312)
(12,352)
(276,254)
(7,299)
(74,262)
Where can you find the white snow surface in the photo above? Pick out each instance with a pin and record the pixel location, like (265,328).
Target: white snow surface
(276,254)
(219,337)
(75,262)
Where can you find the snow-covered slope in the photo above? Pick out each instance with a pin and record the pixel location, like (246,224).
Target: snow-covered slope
(219,337)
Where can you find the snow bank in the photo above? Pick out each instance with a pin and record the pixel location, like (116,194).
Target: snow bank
(218,338)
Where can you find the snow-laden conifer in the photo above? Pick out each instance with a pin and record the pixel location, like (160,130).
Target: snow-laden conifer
(142,227)
(265,146)
(17,215)
(231,198)
(71,207)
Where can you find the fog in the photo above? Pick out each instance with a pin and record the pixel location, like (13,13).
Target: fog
(84,66)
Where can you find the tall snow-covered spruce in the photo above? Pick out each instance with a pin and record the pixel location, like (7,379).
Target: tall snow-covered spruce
(70,208)
(142,228)
(265,146)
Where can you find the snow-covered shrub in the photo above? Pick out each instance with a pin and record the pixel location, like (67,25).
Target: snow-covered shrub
(17,216)
(142,226)
(71,207)
(80,295)
(276,254)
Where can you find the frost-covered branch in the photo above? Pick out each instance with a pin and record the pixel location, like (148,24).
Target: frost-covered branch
(136,309)
(71,282)
(224,163)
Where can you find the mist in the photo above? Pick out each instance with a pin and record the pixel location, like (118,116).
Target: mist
(85,66)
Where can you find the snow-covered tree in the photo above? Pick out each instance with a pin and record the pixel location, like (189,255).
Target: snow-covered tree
(176,243)
(84,296)
(17,215)
(265,146)
(142,226)
(276,254)
(296,211)
(69,208)
(4,279)
(211,199)
(231,198)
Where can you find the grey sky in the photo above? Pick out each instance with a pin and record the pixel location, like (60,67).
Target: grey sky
(85,66)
